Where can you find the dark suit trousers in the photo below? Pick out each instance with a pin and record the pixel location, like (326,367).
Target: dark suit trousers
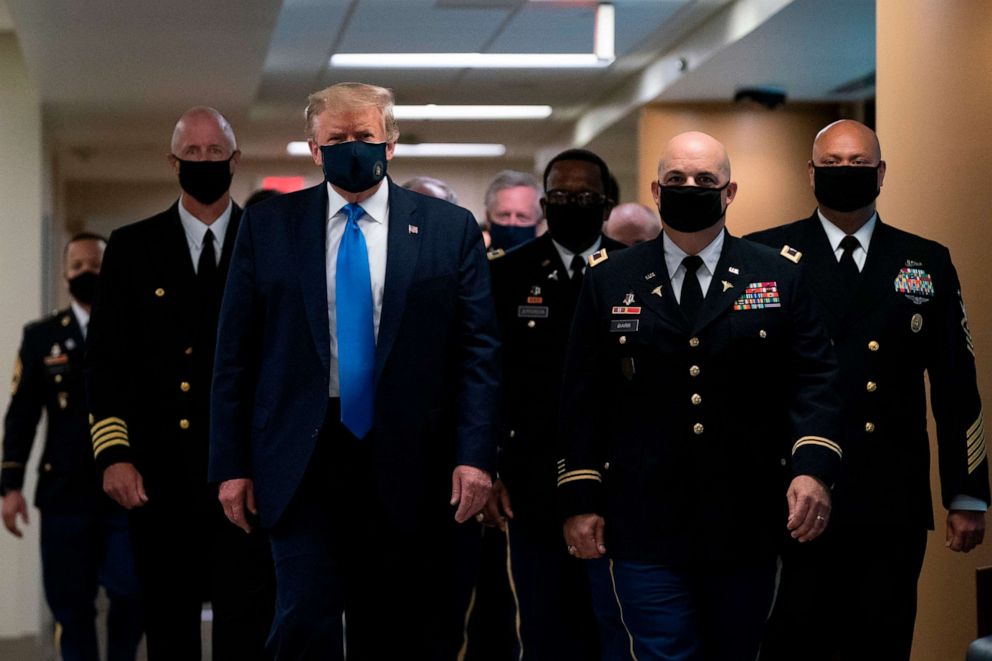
(403,590)
(186,553)
(853,588)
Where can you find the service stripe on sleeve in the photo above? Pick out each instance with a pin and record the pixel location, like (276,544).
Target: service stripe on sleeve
(107,433)
(573,476)
(818,440)
(976,444)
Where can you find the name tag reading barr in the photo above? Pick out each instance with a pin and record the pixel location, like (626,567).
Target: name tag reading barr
(532,311)
(624,325)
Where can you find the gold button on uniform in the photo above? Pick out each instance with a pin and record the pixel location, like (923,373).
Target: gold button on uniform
(762,334)
(184,386)
(531,323)
(697,428)
(184,424)
(189,351)
(160,292)
(694,370)
(58,378)
(48,468)
(623,339)
(873,346)
(871,386)
(696,400)
(869,427)
(694,342)
(606,466)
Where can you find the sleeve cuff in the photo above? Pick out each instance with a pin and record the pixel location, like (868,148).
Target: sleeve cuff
(817,456)
(111,444)
(580,491)
(969,503)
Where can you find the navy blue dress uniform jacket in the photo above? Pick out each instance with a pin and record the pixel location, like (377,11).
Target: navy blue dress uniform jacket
(907,317)
(535,300)
(436,362)
(150,356)
(685,438)
(48,376)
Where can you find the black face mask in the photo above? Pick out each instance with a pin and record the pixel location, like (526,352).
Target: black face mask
(845,187)
(691,208)
(508,236)
(83,287)
(205,181)
(354,166)
(574,226)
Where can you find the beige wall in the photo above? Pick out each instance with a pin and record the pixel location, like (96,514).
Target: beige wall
(21,272)
(934,96)
(768,153)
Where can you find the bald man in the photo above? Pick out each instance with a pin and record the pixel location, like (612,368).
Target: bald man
(892,303)
(151,348)
(632,223)
(700,423)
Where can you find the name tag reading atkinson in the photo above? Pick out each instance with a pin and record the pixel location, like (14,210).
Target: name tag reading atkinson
(532,311)
(624,325)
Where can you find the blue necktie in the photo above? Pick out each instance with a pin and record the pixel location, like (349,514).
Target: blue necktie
(356,336)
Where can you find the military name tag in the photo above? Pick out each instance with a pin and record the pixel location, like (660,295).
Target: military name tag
(532,311)
(623,309)
(624,325)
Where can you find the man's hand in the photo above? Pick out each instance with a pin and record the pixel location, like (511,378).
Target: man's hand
(584,536)
(498,508)
(965,529)
(123,483)
(809,508)
(238,497)
(470,489)
(13,504)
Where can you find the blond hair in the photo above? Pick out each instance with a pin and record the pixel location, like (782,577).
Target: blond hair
(350,97)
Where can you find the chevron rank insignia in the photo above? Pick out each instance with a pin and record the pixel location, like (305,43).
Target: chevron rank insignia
(791,254)
(598,257)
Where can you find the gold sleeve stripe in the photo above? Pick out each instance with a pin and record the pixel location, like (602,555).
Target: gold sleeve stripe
(818,440)
(979,422)
(975,439)
(976,451)
(106,431)
(114,439)
(594,473)
(11,464)
(107,445)
(576,478)
(97,426)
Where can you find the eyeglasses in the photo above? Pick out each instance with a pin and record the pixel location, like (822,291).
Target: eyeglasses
(583,199)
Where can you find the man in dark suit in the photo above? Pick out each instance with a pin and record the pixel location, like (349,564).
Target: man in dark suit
(699,420)
(84,535)
(535,287)
(892,304)
(354,396)
(149,365)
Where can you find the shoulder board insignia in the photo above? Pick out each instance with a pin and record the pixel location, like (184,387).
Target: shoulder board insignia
(495,254)
(791,254)
(598,257)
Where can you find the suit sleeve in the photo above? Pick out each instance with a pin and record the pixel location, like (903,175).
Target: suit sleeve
(235,365)
(106,368)
(478,356)
(957,406)
(581,438)
(23,413)
(815,410)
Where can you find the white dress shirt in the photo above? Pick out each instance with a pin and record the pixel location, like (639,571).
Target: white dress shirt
(374,224)
(196,229)
(676,271)
(82,316)
(835,235)
(567,255)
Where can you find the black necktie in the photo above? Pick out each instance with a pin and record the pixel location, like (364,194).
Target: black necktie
(578,268)
(848,267)
(692,293)
(206,268)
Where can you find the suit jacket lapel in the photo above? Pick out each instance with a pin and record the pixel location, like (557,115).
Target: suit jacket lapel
(726,285)
(653,288)
(309,234)
(878,273)
(402,251)
(229,238)
(823,272)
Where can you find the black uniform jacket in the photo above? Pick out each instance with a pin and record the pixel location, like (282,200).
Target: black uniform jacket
(48,376)
(685,438)
(535,300)
(907,317)
(150,353)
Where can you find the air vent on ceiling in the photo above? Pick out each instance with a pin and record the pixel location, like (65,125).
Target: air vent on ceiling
(856,86)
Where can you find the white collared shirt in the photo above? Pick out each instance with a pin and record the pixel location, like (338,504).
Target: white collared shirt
(82,316)
(835,235)
(567,255)
(375,228)
(676,271)
(195,229)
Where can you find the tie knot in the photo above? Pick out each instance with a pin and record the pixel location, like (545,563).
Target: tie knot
(208,238)
(692,263)
(354,212)
(850,243)
(578,264)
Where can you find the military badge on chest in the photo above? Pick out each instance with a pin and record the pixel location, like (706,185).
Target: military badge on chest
(534,308)
(625,310)
(758,296)
(914,283)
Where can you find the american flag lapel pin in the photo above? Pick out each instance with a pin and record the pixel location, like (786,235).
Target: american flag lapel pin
(413,229)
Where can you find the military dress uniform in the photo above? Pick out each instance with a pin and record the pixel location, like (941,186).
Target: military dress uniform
(84,535)
(535,296)
(149,363)
(905,316)
(684,436)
